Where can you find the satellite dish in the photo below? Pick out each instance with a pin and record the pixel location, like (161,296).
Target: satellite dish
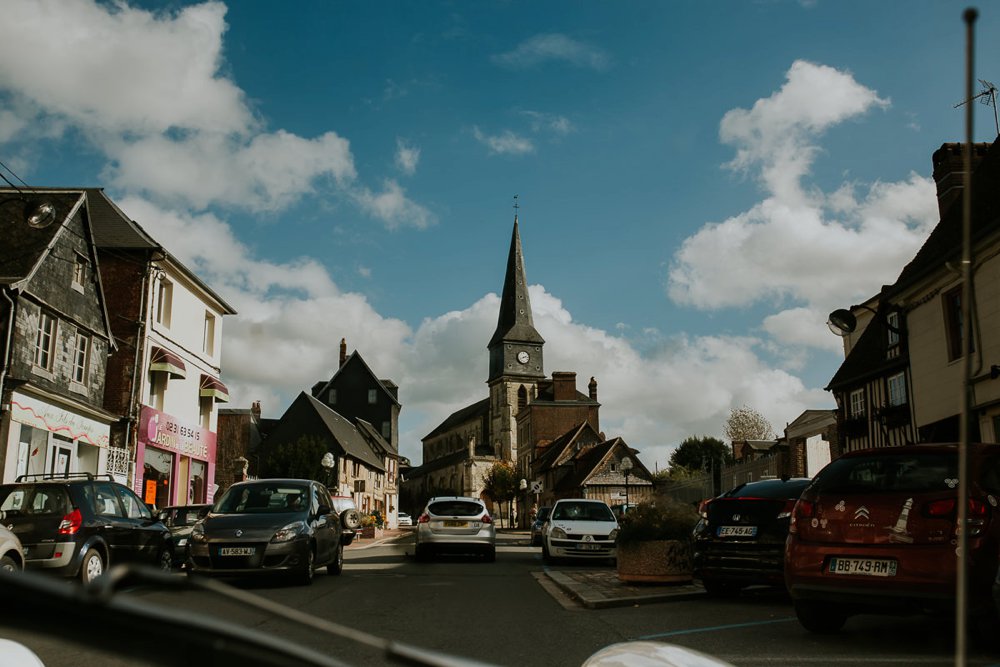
(842,322)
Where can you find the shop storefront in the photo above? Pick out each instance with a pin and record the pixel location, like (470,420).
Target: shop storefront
(175,460)
(52,438)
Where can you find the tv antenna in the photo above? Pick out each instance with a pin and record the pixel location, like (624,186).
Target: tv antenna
(988,95)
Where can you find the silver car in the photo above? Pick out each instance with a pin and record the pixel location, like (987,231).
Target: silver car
(457,525)
(11,553)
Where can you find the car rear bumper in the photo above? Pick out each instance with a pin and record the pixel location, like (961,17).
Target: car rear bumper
(745,562)
(58,558)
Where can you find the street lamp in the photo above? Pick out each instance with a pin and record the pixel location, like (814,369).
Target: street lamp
(626,468)
(328,462)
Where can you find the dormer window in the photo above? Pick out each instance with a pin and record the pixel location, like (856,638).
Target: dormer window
(80,264)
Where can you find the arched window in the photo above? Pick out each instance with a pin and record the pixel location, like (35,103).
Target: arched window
(522,398)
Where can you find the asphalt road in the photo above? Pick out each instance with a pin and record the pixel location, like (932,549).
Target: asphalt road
(509,613)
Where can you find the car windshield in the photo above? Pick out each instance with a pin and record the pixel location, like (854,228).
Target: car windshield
(40,499)
(186,516)
(917,471)
(263,498)
(582,512)
(455,508)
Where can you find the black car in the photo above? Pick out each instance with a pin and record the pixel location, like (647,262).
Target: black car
(538,523)
(79,524)
(179,520)
(271,526)
(740,539)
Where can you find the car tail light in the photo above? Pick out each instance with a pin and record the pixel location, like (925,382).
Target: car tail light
(423,518)
(786,511)
(71,523)
(703,508)
(487,518)
(802,509)
(946,508)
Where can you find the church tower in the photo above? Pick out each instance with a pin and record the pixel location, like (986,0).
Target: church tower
(515,356)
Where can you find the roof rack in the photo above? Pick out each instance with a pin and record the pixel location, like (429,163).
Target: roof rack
(64,475)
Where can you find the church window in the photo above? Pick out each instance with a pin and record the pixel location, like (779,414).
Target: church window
(522,397)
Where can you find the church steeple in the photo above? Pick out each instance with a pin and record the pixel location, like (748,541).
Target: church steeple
(516,347)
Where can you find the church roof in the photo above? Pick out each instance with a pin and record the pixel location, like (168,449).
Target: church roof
(514,321)
(477,410)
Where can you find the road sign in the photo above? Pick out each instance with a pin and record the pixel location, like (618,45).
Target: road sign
(536,487)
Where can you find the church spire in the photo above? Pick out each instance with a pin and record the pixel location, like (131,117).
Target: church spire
(514,322)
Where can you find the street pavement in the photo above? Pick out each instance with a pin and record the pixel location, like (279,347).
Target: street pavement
(591,588)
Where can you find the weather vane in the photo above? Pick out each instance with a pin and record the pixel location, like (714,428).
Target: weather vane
(988,95)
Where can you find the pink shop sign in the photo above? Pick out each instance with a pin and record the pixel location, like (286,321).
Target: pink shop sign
(167,432)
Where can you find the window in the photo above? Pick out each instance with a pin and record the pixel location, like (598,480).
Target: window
(386,430)
(208,339)
(79,272)
(954,325)
(157,388)
(332,397)
(45,341)
(205,413)
(164,299)
(372,396)
(81,358)
(892,319)
(857,403)
(897,389)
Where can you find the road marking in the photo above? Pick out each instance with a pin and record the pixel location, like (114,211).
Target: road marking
(713,628)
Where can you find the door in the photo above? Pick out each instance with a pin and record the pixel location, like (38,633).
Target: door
(147,532)
(113,524)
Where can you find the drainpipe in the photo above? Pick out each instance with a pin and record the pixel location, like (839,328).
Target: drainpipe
(3,373)
(132,419)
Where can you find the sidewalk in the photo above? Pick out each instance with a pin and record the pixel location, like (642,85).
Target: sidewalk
(387,536)
(600,589)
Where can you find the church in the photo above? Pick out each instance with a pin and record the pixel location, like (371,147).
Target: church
(524,412)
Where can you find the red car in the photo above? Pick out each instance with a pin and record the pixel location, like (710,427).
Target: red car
(876,533)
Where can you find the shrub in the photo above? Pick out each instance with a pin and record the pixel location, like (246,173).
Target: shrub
(662,518)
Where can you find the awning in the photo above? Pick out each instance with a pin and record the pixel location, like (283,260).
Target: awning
(166,361)
(213,388)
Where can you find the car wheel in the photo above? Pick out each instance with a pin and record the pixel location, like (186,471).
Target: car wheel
(92,566)
(306,575)
(337,566)
(546,556)
(822,619)
(165,561)
(720,589)
(8,564)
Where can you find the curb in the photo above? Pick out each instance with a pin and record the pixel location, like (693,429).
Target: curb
(591,598)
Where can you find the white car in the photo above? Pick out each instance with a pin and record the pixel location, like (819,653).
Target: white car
(11,553)
(404,519)
(580,528)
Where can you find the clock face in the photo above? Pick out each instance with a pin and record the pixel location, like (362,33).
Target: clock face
(522,357)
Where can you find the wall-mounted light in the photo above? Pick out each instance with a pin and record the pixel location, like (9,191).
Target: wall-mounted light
(37,214)
(843,321)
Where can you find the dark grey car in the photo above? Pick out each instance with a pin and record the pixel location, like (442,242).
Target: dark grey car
(270,526)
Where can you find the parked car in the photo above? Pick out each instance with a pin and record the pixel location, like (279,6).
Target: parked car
(179,520)
(580,528)
(79,524)
(343,504)
(622,509)
(403,519)
(876,532)
(271,526)
(740,539)
(458,525)
(539,523)
(11,552)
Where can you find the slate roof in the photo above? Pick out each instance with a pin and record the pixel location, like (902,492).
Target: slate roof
(477,410)
(444,462)
(343,431)
(555,450)
(372,435)
(355,357)
(24,247)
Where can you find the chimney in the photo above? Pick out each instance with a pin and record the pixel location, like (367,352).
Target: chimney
(564,386)
(255,410)
(343,351)
(949,171)
(593,389)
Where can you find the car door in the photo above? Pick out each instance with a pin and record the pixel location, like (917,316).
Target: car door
(324,525)
(113,525)
(147,532)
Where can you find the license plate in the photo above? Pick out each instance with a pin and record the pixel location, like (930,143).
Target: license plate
(736,531)
(456,524)
(868,567)
(590,547)
(236,551)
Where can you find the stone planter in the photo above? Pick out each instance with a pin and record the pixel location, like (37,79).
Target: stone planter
(370,532)
(655,561)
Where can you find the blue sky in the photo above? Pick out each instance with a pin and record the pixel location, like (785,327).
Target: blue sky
(700,183)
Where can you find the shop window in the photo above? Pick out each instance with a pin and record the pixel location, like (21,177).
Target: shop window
(45,339)
(196,484)
(156,477)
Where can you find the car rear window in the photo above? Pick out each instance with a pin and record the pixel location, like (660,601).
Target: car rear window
(775,489)
(582,512)
(34,500)
(455,508)
(917,471)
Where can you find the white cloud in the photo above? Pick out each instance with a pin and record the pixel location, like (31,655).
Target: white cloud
(393,207)
(553,124)
(543,48)
(818,251)
(407,156)
(504,143)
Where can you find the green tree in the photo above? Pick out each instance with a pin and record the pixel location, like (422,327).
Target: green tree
(501,483)
(299,459)
(700,453)
(745,423)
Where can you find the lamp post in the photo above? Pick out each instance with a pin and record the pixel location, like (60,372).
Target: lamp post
(328,462)
(626,468)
